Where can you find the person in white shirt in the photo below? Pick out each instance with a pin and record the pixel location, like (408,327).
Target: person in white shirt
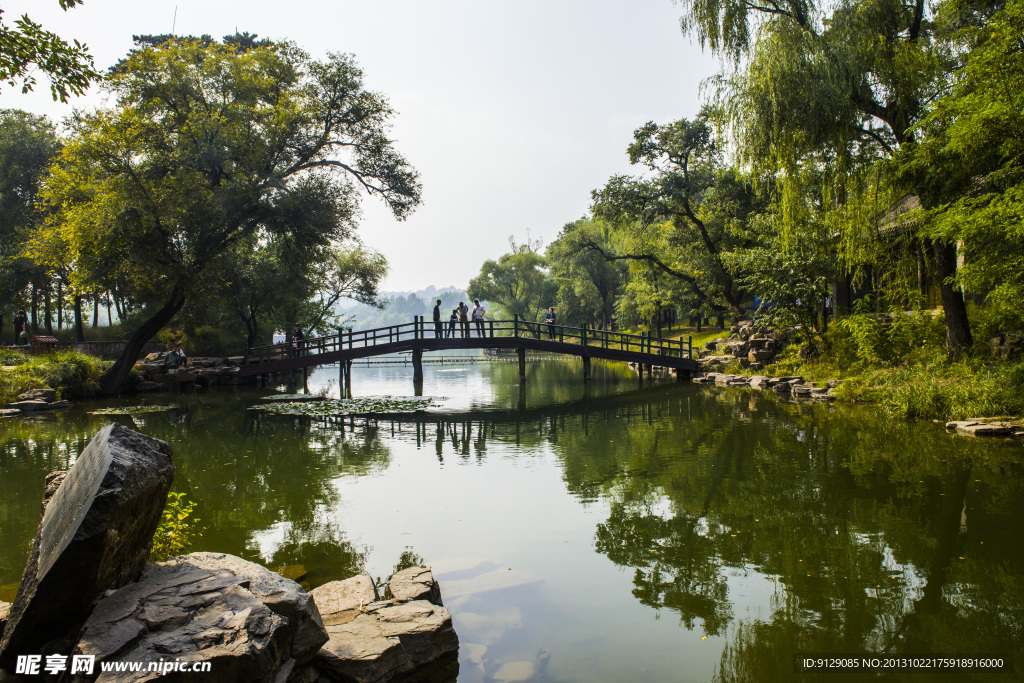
(464,318)
(478,318)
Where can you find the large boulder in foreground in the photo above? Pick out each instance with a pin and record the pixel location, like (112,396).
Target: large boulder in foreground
(95,535)
(383,640)
(248,623)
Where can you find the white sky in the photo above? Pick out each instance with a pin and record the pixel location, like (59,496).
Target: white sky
(512,112)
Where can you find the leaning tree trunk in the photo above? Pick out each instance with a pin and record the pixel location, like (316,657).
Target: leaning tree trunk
(958,328)
(114,379)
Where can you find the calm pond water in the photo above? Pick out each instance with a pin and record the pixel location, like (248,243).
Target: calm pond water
(667,532)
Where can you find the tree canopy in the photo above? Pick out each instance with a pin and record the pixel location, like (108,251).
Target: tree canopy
(209,146)
(27,47)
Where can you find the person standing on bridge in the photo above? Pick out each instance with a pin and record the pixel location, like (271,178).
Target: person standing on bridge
(464,319)
(452,321)
(478,317)
(298,339)
(438,325)
(549,318)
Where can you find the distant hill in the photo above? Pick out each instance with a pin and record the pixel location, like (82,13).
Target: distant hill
(403,306)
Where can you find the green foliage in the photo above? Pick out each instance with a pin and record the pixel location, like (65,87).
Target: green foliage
(72,374)
(887,339)
(28,48)
(209,147)
(178,529)
(587,283)
(955,391)
(677,227)
(516,284)
(970,162)
(408,558)
(9,356)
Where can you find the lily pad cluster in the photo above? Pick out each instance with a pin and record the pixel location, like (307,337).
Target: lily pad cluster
(347,406)
(130,410)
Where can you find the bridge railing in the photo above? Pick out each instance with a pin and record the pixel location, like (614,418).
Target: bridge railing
(423,329)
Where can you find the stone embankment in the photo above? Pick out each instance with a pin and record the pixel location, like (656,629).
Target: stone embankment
(33,401)
(204,372)
(750,346)
(87,593)
(792,387)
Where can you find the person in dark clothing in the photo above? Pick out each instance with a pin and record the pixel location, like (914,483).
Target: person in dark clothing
(549,318)
(175,358)
(452,321)
(438,325)
(20,321)
(298,339)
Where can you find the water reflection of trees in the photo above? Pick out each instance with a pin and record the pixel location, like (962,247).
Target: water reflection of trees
(251,475)
(869,534)
(873,530)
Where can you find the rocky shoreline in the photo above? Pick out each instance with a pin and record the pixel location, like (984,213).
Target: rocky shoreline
(88,596)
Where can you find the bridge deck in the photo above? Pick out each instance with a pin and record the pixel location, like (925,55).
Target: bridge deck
(497,334)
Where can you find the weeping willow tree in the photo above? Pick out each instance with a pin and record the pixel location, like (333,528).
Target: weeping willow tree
(838,87)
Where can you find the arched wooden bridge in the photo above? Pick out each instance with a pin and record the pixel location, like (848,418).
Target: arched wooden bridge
(420,335)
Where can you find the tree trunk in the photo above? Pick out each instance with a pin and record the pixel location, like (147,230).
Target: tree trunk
(95,309)
(958,328)
(46,309)
(114,379)
(79,330)
(110,323)
(35,309)
(60,305)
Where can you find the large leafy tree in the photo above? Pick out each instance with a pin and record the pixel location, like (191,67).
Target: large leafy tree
(686,217)
(28,144)
(845,82)
(209,145)
(587,284)
(971,158)
(518,282)
(26,47)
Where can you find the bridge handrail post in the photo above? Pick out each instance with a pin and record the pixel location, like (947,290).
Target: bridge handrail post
(583,334)
(689,347)
(515,325)
(490,328)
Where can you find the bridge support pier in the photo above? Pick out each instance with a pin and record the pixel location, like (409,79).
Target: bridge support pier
(679,374)
(345,378)
(417,366)
(586,368)
(521,352)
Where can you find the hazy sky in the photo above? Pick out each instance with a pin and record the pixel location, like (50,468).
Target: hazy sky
(512,112)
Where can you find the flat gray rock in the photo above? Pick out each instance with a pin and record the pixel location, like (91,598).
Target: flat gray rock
(28,406)
(388,640)
(414,583)
(47,395)
(95,535)
(180,611)
(283,596)
(340,601)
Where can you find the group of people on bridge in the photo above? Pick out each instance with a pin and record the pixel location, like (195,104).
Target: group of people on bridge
(460,317)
